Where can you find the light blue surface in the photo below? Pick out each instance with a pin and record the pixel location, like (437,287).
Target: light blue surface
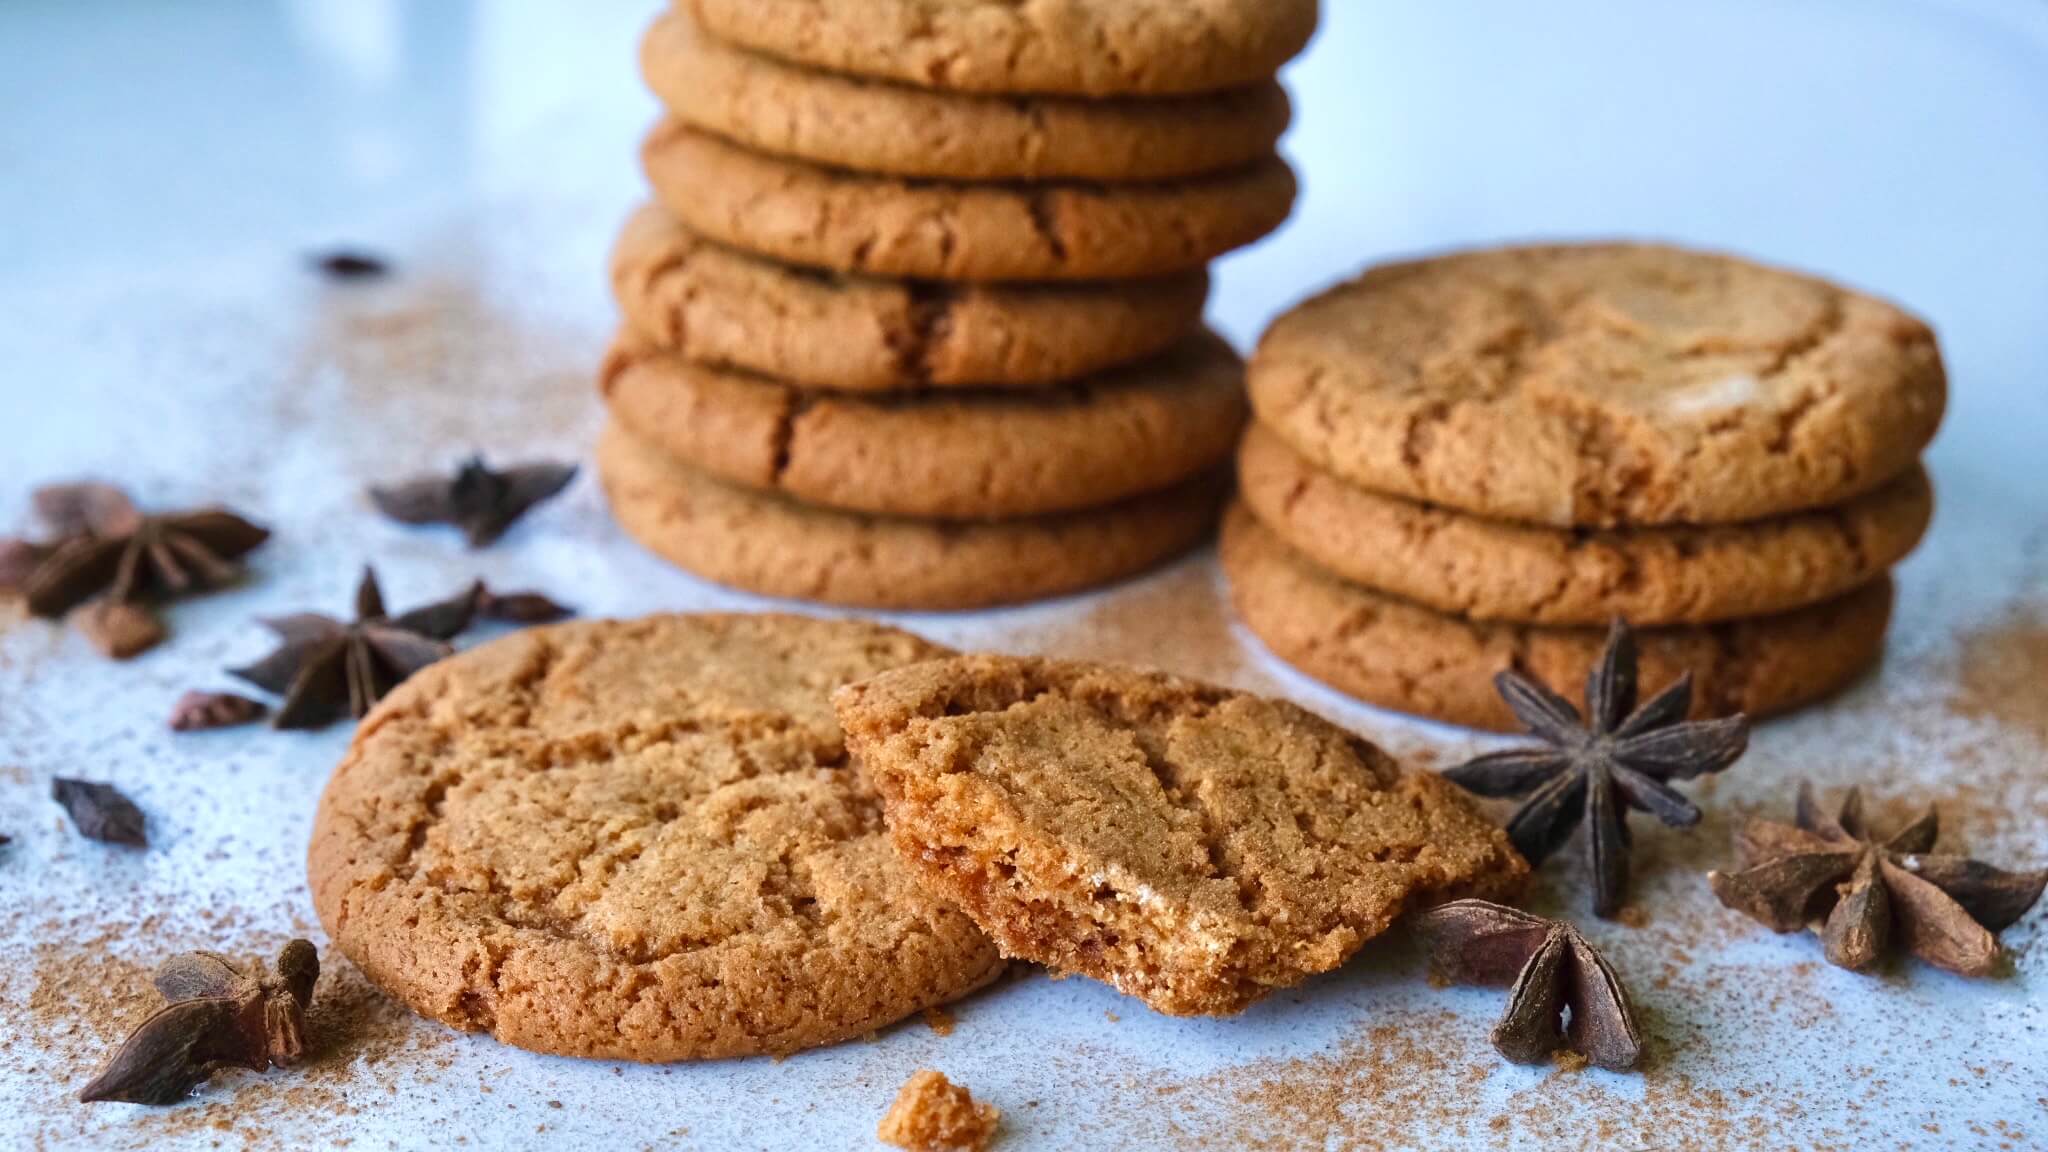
(164,165)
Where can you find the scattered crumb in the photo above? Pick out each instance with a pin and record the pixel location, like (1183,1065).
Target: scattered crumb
(939,1020)
(933,1114)
(1112,1017)
(1567,1060)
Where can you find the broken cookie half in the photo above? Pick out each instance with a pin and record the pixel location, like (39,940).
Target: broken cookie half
(1192,846)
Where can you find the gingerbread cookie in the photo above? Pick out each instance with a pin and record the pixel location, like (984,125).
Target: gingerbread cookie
(1485,569)
(1073,47)
(1193,846)
(1602,385)
(635,840)
(1394,654)
(868,126)
(845,221)
(967,456)
(721,307)
(769,544)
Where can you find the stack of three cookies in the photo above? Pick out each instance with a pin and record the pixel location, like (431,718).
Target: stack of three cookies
(916,319)
(1474,463)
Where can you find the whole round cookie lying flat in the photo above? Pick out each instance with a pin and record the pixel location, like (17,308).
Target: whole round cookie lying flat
(1486,569)
(1192,846)
(1394,654)
(1073,47)
(724,308)
(966,456)
(845,221)
(771,545)
(1602,385)
(869,126)
(635,840)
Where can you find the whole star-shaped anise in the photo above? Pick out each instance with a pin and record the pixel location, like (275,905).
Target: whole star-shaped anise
(215,1013)
(1595,770)
(1862,891)
(480,500)
(112,559)
(327,669)
(1551,968)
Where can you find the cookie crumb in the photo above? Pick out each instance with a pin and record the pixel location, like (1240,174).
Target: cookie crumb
(933,1114)
(939,1020)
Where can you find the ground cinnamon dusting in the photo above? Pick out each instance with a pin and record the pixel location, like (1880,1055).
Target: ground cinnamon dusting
(2002,671)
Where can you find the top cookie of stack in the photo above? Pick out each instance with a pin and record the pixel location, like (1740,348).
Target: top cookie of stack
(1472,463)
(915,320)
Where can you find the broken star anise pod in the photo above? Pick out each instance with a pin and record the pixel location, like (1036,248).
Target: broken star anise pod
(215,1013)
(327,669)
(1863,892)
(1595,769)
(111,561)
(101,811)
(480,500)
(1552,970)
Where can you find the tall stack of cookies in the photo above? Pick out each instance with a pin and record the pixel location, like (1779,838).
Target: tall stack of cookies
(915,320)
(1474,463)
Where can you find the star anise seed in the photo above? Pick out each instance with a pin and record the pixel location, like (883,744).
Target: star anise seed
(349,264)
(1594,770)
(1862,891)
(482,501)
(215,1013)
(110,557)
(100,811)
(327,669)
(1552,971)
(203,711)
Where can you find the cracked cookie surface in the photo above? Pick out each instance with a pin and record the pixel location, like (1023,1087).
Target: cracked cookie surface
(843,221)
(635,840)
(1487,569)
(774,546)
(945,456)
(721,307)
(1602,385)
(1192,846)
(1077,47)
(869,126)
(1392,653)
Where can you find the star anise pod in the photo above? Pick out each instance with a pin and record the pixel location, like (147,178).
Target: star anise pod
(481,500)
(327,669)
(111,561)
(520,607)
(1594,770)
(215,1013)
(1862,891)
(1551,968)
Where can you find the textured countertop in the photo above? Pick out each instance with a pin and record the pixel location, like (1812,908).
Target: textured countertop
(164,169)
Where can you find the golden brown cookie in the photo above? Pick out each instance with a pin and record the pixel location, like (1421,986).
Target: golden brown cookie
(1192,846)
(1072,47)
(1485,569)
(636,840)
(844,221)
(1602,385)
(771,545)
(957,456)
(841,121)
(1394,654)
(721,307)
